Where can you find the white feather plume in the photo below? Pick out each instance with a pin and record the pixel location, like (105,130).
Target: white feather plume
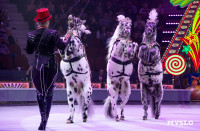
(120,17)
(153,15)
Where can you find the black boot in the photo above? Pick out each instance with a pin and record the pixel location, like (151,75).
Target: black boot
(43,122)
(49,98)
(42,107)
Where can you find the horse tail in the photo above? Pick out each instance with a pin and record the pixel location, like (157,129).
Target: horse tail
(152,104)
(108,108)
(81,101)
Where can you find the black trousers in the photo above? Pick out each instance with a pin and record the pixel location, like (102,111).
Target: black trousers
(44,75)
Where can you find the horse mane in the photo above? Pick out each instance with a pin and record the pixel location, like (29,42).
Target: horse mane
(112,40)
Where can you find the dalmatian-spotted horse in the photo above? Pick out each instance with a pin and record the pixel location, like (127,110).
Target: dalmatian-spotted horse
(150,70)
(76,70)
(121,50)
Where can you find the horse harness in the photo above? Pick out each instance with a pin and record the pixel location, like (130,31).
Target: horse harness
(149,46)
(70,61)
(150,64)
(123,63)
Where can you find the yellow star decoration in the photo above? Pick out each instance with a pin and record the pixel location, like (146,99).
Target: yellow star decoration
(191,37)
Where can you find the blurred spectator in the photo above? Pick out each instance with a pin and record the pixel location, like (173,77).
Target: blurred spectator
(51,7)
(137,37)
(144,11)
(30,13)
(55,22)
(31,6)
(4,17)
(40,4)
(3,48)
(11,39)
(160,9)
(105,21)
(93,25)
(139,24)
(101,71)
(102,35)
(60,31)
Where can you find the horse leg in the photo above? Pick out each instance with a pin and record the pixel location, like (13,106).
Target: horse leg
(158,99)
(71,98)
(125,93)
(144,96)
(87,96)
(152,104)
(114,96)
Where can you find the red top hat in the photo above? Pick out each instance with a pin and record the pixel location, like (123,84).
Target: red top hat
(42,15)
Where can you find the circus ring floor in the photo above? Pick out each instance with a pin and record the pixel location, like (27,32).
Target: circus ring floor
(27,118)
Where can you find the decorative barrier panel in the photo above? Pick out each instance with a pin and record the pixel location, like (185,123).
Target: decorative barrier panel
(14,84)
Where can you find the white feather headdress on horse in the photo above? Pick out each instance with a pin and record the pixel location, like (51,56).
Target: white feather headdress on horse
(151,23)
(153,15)
(120,18)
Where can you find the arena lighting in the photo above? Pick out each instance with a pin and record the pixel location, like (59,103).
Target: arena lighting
(168,32)
(172,23)
(165,41)
(172,15)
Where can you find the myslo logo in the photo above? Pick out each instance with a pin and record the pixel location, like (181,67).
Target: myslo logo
(180,123)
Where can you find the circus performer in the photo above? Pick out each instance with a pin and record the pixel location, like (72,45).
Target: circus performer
(76,70)
(121,50)
(150,70)
(43,41)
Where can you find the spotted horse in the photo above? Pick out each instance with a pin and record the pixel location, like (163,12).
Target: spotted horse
(150,70)
(75,68)
(121,50)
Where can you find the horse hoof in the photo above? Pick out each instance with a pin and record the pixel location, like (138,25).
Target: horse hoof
(156,117)
(84,120)
(144,117)
(69,121)
(117,118)
(122,118)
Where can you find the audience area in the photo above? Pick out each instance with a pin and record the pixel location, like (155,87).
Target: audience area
(101,20)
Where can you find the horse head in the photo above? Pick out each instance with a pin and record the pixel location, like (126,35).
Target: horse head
(150,27)
(121,36)
(75,48)
(124,26)
(79,27)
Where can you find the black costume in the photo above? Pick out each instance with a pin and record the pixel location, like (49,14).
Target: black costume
(43,41)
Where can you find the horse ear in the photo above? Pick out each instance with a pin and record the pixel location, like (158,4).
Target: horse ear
(84,21)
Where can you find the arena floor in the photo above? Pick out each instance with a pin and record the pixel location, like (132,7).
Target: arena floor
(27,118)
